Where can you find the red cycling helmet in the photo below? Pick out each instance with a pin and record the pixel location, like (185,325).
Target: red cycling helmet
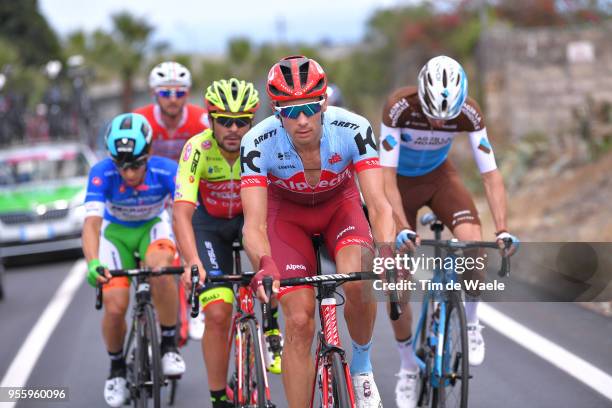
(296,77)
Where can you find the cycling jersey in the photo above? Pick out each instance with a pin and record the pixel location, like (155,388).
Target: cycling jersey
(409,143)
(108,196)
(193,121)
(202,168)
(268,157)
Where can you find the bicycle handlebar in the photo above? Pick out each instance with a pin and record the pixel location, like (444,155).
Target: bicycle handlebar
(244,280)
(168,270)
(336,277)
(454,245)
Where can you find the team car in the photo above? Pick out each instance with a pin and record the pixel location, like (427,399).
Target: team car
(42,189)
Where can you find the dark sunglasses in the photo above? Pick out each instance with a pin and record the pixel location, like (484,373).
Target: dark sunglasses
(167,93)
(293,111)
(228,121)
(135,165)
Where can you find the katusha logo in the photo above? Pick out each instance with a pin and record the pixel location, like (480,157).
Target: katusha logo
(336,158)
(298,183)
(96,181)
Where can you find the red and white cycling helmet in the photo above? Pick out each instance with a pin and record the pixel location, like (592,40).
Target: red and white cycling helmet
(296,77)
(169,73)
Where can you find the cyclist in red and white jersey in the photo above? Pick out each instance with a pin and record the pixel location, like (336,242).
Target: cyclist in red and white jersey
(172,119)
(298,179)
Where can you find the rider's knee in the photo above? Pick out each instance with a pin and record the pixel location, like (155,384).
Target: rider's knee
(160,253)
(115,307)
(300,324)
(467,231)
(218,316)
(358,293)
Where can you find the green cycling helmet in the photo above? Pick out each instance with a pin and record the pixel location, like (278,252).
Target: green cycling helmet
(232,95)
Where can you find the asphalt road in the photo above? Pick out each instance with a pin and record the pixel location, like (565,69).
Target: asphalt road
(511,376)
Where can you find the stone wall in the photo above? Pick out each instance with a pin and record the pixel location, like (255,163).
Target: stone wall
(540,80)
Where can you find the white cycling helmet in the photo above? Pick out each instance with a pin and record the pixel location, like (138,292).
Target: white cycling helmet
(169,73)
(443,88)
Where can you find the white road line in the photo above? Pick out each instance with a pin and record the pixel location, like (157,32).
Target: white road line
(578,368)
(25,360)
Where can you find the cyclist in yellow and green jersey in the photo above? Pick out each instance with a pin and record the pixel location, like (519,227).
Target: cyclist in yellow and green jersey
(208,219)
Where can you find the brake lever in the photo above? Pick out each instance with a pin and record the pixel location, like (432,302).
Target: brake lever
(395,310)
(99,295)
(505,266)
(193,297)
(266,307)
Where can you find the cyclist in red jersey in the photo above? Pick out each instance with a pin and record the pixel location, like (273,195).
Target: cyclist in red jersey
(298,179)
(172,119)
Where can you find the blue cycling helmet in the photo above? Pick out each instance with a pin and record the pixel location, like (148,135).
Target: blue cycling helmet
(128,138)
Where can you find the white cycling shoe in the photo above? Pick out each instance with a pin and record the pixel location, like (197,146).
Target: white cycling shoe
(116,392)
(172,364)
(196,327)
(476,344)
(366,392)
(406,389)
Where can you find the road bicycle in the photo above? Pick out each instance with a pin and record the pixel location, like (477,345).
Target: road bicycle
(249,381)
(442,346)
(333,385)
(142,352)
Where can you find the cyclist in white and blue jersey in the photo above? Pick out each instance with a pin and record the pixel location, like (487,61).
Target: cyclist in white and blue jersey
(418,127)
(125,201)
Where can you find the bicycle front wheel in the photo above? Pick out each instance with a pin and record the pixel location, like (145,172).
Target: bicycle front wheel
(453,389)
(252,387)
(340,385)
(149,361)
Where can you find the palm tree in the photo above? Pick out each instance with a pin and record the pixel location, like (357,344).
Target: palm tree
(121,51)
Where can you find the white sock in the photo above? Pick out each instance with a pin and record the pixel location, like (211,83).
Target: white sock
(407,358)
(471,309)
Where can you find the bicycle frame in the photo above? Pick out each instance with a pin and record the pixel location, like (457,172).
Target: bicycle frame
(328,341)
(436,339)
(143,300)
(245,310)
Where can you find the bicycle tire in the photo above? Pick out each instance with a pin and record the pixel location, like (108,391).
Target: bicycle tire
(458,366)
(423,351)
(150,365)
(254,377)
(340,387)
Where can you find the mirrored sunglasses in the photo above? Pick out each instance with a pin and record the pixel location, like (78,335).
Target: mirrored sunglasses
(167,93)
(293,111)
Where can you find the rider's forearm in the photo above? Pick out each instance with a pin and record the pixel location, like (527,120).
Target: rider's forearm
(91,237)
(183,230)
(381,216)
(395,199)
(256,244)
(496,196)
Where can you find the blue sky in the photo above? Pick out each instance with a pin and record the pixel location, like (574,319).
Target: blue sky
(205,26)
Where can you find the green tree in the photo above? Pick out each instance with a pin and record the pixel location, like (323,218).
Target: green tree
(239,50)
(122,50)
(22,25)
